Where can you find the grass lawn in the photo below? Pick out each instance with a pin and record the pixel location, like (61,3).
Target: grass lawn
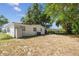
(58,45)
(4,36)
(5,41)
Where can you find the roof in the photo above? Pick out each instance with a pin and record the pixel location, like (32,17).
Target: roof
(13,23)
(6,25)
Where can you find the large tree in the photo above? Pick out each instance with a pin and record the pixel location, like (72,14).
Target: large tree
(66,15)
(3,20)
(36,15)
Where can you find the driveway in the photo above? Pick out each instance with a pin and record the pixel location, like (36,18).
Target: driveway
(48,45)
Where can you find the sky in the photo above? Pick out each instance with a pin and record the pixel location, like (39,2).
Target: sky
(15,11)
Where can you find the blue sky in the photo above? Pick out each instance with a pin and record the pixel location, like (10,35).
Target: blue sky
(15,11)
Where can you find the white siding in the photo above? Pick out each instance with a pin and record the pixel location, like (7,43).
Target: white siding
(11,31)
(29,30)
(16,30)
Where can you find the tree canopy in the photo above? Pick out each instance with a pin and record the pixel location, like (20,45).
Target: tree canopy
(66,15)
(36,15)
(3,20)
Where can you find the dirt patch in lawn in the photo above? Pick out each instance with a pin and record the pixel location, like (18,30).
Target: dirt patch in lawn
(55,45)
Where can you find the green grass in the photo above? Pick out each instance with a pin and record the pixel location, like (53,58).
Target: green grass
(5,41)
(4,36)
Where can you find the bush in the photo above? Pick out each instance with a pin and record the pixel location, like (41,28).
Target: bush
(4,36)
(56,31)
(50,31)
(61,30)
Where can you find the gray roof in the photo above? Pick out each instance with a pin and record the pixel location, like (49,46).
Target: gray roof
(9,24)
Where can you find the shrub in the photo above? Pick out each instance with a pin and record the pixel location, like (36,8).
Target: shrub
(61,30)
(50,31)
(4,36)
(56,31)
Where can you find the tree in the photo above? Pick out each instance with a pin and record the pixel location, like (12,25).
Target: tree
(3,20)
(35,15)
(45,20)
(66,15)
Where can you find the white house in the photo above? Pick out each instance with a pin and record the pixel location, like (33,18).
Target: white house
(19,30)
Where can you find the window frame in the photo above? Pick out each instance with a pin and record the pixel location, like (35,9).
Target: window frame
(23,28)
(8,30)
(40,29)
(34,29)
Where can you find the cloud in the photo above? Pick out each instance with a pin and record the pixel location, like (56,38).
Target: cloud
(15,6)
(17,9)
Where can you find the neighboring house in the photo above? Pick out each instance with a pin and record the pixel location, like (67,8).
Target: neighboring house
(0,28)
(19,30)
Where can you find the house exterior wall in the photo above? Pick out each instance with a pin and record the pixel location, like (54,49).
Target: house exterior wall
(16,30)
(11,31)
(28,30)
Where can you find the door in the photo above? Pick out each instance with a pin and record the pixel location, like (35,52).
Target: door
(18,32)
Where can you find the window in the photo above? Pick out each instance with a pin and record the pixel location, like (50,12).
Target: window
(34,29)
(8,30)
(4,31)
(23,28)
(40,29)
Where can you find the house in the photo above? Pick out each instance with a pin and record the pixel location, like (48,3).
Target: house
(0,28)
(18,30)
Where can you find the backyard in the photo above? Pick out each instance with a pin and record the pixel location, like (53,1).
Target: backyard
(55,45)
